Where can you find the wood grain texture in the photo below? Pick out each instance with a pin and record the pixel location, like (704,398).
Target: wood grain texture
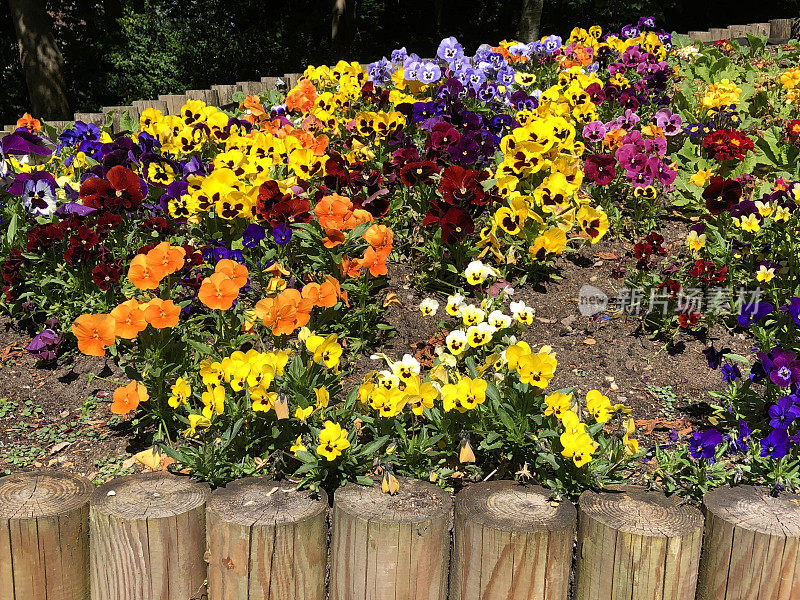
(266,541)
(511,543)
(751,546)
(44,536)
(390,546)
(148,538)
(634,543)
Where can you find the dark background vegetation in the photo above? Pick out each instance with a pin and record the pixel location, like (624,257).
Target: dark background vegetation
(124,50)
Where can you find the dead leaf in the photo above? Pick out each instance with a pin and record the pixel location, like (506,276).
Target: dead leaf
(590,341)
(649,425)
(607,255)
(12,351)
(59,447)
(391,298)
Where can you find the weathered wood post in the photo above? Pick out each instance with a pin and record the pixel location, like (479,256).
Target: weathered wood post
(752,545)
(737,31)
(718,33)
(511,543)
(700,36)
(390,546)
(44,536)
(780,29)
(634,543)
(266,541)
(760,29)
(148,538)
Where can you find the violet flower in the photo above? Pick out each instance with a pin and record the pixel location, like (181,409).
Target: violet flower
(754,312)
(776,444)
(704,444)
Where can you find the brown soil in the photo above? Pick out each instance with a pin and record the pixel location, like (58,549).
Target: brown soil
(55,417)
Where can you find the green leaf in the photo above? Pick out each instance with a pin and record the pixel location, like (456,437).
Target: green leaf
(374,445)
(361,480)
(306,457)
(127,122)
(12,229)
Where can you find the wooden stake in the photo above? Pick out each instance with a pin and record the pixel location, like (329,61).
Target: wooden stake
(633,543)
(718,33)
(148,538)
(266,541)
(44,536)
(752,545)
(511,543)
(390,546)
(780,29)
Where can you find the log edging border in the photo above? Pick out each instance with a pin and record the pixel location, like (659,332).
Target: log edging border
(777,31)
(641,541)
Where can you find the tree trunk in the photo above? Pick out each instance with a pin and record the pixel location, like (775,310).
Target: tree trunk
(41,59)
(529,20)
(343,27)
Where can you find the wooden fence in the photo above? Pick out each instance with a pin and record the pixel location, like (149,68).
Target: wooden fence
(162,537)
(776,30)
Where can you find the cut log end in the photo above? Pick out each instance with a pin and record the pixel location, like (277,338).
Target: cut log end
(258,501)
(638,511)
(149,496)
(511,541)
(754,509)
(41,494)
(417,501)
(508,506)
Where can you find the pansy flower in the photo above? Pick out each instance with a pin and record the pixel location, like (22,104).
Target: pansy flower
(776,444)
(704,444)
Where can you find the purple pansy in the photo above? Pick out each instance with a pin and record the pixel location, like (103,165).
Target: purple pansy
(704,444)
(776,444)
(754,312)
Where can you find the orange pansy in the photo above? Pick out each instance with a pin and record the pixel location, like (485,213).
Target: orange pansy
(374,261)
(128,398)
(129,319)
(94,333)
(218,291)
(238,273)
(143,274)
(379,237)
(290,311)
(162,313)
(333,237)
(167,258)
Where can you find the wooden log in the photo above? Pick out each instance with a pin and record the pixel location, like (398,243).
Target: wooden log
(291,79)
(759,29)
(266,541)
(225,93)
(752,545)
(511,543)
(269,82)
(174,102)
(98,119)
(718,33)
(148,538)
(210,97)
(142,105)
(700,36)
(253,88)
(44,536)
(737,31)
(390,546)
(634,543)
(780,29)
